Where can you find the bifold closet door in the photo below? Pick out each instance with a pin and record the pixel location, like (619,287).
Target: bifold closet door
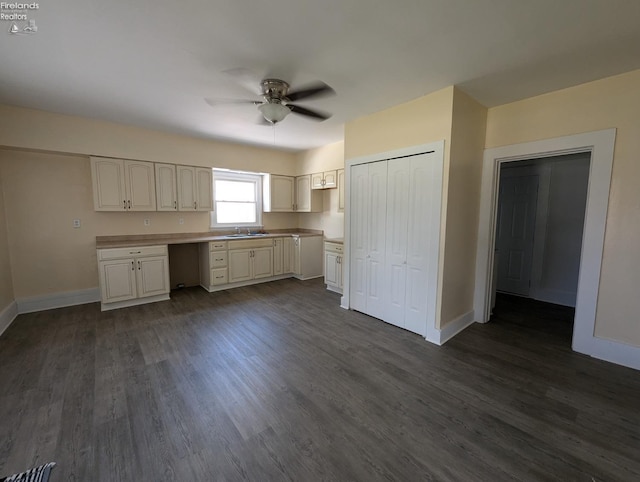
(409,232)
(369,216)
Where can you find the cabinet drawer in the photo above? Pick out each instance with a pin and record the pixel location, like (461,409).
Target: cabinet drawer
(218,246)
(218,259)
(333,247)
(219,276)
(136,252)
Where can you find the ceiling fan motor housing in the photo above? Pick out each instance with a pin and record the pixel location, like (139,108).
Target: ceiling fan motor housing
(274,90)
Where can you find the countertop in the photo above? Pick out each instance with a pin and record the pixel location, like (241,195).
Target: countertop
(183,238)
(335,240)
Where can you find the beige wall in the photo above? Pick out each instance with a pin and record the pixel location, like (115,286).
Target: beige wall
(6,282)
(327,158)
(39,130)
(461,235)
(612,102)
(47,184)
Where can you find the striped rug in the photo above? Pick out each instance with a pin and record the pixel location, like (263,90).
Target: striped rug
(37,474)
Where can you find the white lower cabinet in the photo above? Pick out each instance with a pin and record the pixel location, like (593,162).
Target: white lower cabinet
(333,266)
(131,276)
(250,263)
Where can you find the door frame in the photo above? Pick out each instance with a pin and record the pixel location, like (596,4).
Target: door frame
(600,144)
(434,246)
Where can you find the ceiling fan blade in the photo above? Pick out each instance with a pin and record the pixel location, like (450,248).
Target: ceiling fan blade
(217,102)
(313,114)
(247,78)
(317,89)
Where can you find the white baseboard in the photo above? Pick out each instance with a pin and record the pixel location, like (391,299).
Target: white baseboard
(611,351)
(451,329)
(57,300)
(7,316)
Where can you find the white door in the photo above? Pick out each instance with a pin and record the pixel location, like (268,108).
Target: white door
(423,232)
(118,280)
(398,185)
(277,256)
(262,262)
(109,193)
(287,255)
(140,184)
(186,188)
(282,193)
(359,224)
(331,268)
(240,265)
(204,189)
(166,190)
(152,275)
(514,234)
(376,239)
(303,194)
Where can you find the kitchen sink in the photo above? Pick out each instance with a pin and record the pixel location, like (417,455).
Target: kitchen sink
(244,235)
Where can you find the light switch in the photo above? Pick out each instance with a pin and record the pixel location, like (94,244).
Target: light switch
(147,222)
(181,221)
(76,223)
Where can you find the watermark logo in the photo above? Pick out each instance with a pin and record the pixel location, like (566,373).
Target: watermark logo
(18,15)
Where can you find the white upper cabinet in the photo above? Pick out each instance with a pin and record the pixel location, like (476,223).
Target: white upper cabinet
(341,190)
(278,193)
(307,200)
(324,180)
(195,188)
(166,188)
(122,185)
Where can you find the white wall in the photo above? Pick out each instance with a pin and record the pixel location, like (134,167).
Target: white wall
(6,282)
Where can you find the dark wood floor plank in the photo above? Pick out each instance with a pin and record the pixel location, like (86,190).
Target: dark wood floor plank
(277,382)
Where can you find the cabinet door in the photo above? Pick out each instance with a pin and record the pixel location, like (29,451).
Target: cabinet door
(140,185)
(281,194)
(204,189)
(317,181)
(340,181)
(297,268)
(358,256)
(109,193)
(330,179)
(118,280)
(340,273)
(376,236)
(186,188)
(152,275)
(166,189)
(331,268)
(240,265)
(262,262)
(287,255)
(278,262)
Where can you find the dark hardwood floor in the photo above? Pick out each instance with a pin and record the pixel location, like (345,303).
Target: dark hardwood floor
(276,382)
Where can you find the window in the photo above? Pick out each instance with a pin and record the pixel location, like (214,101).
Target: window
(237,199)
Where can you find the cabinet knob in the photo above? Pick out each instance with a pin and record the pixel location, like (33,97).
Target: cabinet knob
(139,266)
(129,203)
(175,205)
(133,266)
(195,206)
(124,204)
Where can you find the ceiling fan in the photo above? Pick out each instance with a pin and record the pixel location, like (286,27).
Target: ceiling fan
(277,100)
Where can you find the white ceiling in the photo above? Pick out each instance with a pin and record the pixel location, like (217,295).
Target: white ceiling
(152,62)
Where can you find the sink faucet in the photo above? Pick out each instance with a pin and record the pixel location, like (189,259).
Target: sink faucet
(237,230)
(249,231)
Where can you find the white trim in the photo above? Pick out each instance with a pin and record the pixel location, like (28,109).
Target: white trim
(434,247)
(451,329)
(601,146)
(7,316)
(57,300)
(616,352)
(230,175)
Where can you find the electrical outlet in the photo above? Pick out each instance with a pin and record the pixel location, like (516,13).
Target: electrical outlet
(181,221)
(76,223)
(147,222)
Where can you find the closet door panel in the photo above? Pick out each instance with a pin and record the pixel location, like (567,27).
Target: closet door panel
(376,239)
(358,256)
(398,182)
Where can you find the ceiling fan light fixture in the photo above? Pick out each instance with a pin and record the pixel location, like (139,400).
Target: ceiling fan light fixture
(274,112)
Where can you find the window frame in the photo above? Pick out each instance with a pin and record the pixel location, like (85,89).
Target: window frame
(231,175)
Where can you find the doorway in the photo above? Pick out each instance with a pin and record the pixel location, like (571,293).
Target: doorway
(600,145)
(539,227)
